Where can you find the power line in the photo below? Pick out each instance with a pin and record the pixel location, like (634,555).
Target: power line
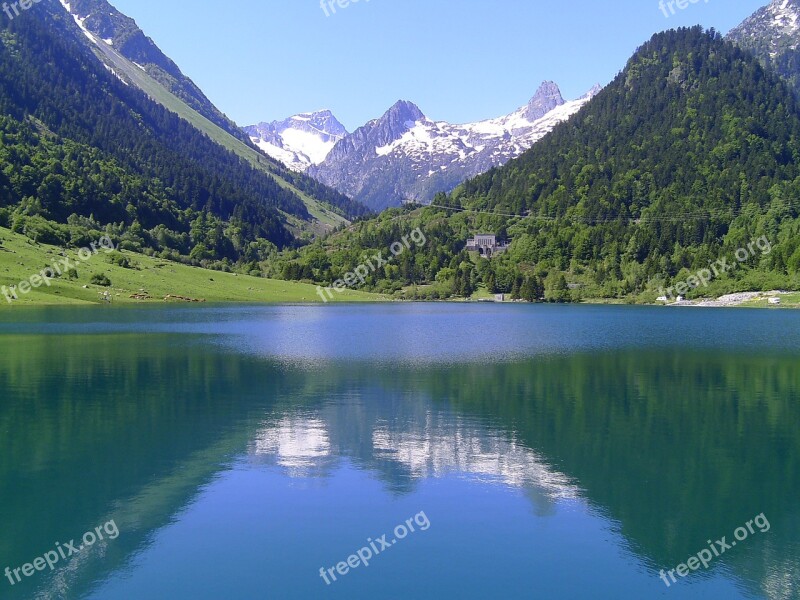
(672,218)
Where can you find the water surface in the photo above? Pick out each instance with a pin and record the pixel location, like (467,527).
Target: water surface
(555,452)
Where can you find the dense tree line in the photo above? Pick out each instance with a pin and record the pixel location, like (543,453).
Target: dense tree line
(61,192)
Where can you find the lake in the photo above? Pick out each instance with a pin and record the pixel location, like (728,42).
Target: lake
(399,451)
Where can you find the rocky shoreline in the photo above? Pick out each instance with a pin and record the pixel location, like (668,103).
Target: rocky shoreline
(732,300)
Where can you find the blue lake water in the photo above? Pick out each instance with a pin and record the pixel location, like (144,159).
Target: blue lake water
(536,451)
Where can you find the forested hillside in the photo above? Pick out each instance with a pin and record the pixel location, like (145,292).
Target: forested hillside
(81,150)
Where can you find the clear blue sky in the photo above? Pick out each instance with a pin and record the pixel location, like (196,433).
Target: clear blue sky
(459,60)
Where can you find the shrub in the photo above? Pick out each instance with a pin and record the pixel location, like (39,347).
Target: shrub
(100,279)
(119,259)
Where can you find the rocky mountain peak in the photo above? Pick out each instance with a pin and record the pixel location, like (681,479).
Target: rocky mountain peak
(779,18)
(321,121)
(547,97)
(596,89)
(403,113)
(299,141)
(785,15)
(396,121)
(404,156)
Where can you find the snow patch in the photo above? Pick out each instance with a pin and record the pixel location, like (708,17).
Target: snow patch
(784,17)
(308,144)
(287,157)
(79,21)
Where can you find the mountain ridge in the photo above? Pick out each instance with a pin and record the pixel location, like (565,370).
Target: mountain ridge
(772,33)
(103,21)
(404,156)
(300,140)
(164,83)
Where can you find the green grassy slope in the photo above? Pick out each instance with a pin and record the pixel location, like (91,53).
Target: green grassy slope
(326,218)
(20,258)
(787,301)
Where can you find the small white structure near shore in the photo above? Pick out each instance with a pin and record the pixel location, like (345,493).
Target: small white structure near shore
(775,301)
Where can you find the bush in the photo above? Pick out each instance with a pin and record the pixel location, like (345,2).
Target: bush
(43,232)
(130,246)
(100,279)
(119,259)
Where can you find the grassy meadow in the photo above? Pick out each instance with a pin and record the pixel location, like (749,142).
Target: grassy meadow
(146,280)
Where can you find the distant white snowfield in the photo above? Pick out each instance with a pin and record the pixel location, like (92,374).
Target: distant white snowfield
(299,141)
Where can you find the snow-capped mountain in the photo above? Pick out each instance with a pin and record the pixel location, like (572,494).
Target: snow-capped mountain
(299,141)
(405,156)
(772,33)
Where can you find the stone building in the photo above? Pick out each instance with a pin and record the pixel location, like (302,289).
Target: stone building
(486,245)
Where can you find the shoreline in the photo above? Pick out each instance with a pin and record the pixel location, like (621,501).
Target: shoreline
(789,300)
(140,280)
(785,299)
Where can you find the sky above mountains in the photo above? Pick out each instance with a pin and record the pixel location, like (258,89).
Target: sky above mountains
(460,61)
